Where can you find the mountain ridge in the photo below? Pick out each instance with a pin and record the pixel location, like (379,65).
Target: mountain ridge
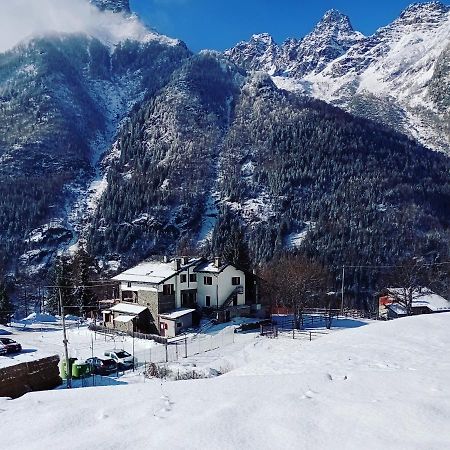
(117,6)
(389,71)
(140,147)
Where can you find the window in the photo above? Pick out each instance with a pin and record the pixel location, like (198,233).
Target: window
(129,284)
(168,289)
(179,324)
(207,281)
(236,281)
(208,300)
(193,278)
(183,278)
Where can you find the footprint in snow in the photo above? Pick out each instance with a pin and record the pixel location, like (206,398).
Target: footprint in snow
(330,377)
(102,415)
(308,395)
(163,412)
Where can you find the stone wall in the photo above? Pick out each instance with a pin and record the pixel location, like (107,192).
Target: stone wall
(37,375)
(150,300)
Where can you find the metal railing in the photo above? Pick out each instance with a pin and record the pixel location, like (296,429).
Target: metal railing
(113,331)
(185,347)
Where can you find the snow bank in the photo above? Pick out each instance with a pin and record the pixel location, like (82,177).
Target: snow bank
(380,386)
(72,318)
(37,317)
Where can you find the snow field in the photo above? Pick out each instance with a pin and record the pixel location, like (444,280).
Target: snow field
(379,386)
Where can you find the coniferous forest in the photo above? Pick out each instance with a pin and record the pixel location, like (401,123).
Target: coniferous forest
(209,157)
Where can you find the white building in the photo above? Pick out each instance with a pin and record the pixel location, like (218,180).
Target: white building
(175,289)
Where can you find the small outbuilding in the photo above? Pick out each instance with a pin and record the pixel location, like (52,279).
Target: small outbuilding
(128,318)
(424,301)
(174,323)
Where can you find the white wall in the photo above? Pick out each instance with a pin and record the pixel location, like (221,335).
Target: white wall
(179,286)
(221,287)
(137,287)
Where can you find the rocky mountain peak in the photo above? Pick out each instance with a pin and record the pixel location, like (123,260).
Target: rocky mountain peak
(336,18)
(259,53)
(117,6)
(423,13)
(263,38)
(330,38)
(335,25)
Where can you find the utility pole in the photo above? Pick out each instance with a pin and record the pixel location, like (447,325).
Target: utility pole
(342,290)
(133,343)
(66,352)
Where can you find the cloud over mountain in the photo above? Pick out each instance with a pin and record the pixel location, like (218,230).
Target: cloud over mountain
(22,19)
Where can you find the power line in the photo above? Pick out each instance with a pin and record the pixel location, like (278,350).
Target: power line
(390,266)
(106,284)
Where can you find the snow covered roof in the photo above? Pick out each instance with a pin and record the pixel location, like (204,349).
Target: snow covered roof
(209,266)
(176,314)
(421,298)
(124,318)
(128,308)
(153,272)
(398,309)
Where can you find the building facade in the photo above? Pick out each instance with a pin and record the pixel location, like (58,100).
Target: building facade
(170,287)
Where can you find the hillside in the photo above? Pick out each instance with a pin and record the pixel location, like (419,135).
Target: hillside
(383,385)
(62,100)
(119,139)
(251,163)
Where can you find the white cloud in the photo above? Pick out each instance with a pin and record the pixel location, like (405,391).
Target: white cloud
(22,19)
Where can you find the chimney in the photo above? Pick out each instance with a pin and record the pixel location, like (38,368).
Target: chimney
(185,260)
(177,264)
(217,261)
(165,259)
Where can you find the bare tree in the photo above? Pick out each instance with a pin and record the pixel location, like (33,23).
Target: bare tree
(295,282)
(406,282)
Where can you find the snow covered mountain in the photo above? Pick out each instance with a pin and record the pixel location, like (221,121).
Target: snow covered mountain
(63,98)
(386,77)
(121,139)
(117,6)
(331,38)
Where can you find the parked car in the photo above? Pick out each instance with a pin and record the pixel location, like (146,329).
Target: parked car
(101,366)
(123,359)
(3,350)
(11,345)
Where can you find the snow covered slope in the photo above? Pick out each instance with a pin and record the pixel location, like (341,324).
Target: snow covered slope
(65,92)
(385,77)
(379,386)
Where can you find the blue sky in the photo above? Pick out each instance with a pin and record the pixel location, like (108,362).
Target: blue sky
(219,24)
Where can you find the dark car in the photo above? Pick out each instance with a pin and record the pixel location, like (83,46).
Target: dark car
(11,345)
(102,366)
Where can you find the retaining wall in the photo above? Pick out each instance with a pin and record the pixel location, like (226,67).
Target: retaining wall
(38,375)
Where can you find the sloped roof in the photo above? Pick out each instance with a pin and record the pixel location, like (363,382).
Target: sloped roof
(128,308)
(153,272)
(176,314)
(208,266)
(425,297)
(124,319)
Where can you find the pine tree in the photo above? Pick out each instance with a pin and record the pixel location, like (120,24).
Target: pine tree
(6,307)
(83,272)
(60,279)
